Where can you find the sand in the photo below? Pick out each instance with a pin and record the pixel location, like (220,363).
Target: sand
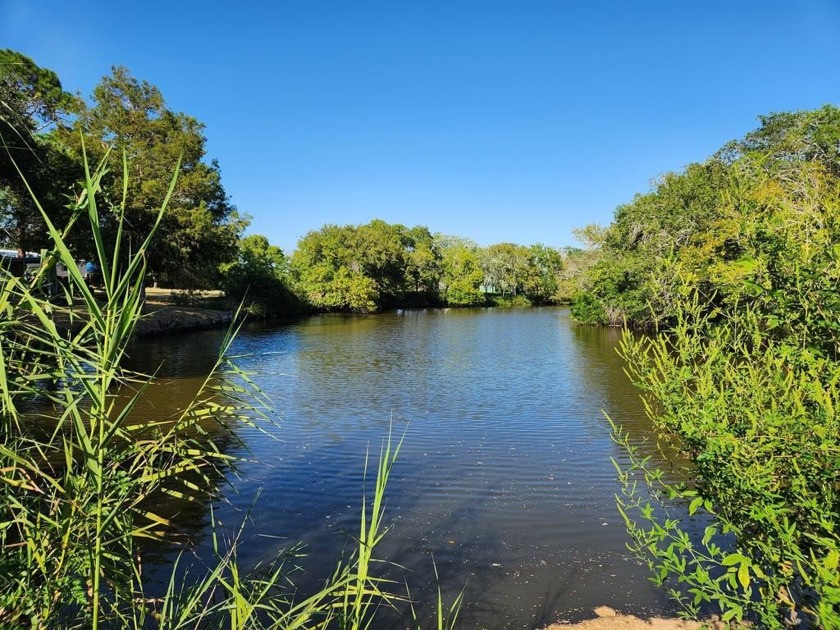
(608,619)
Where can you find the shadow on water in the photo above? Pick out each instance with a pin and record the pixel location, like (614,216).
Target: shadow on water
(505,476)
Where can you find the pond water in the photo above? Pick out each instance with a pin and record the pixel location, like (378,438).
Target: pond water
(504,477)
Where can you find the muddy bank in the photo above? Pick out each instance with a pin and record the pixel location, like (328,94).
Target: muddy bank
(158,320)
(164,312)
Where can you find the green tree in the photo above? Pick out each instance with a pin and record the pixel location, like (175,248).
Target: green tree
(201,228)
(32,104)
(545,265)
(380,249)
(591,236)
(330,273)
(801,136)
(721,220)
(423,263)
(505,267)
(367,267)
(461,276)
(576,263)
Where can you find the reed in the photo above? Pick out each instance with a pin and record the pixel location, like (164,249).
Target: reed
(78,468)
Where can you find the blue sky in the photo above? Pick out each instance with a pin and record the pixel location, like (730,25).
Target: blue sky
(499,121)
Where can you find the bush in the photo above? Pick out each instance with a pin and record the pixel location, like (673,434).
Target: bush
(588,309)
(758,419)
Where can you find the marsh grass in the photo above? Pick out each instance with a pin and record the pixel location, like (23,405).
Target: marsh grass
(80,472)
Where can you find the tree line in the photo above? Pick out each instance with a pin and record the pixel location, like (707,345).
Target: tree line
(47,133)
(380,265)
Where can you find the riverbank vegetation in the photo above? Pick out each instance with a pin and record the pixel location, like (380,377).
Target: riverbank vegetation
(754,224)
(733,265)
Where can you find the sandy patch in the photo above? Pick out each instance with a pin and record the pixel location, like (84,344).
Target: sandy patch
(609,619)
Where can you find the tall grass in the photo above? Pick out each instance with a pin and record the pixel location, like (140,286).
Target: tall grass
(79,470)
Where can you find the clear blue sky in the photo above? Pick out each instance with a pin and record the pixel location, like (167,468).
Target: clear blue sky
(498,121)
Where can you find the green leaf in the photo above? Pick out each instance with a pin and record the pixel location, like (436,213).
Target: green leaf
(692,508)
(832,559)
(734,558)
(730,614)
(744,576)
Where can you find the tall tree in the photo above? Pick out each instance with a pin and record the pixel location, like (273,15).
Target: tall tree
(546,266)
(201,228)
(32,104)
(506,267)
(423,262)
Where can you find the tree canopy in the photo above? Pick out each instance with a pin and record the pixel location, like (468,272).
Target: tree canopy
(45,131)
(380,265)
(201,228)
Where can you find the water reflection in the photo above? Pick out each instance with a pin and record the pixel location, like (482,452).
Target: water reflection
(505,475)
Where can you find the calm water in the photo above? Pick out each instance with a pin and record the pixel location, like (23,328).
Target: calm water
(505,475)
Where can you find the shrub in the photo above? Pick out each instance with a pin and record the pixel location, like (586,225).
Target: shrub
(758,419)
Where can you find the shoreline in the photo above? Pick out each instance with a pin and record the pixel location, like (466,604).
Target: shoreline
(163,315)
(167,319)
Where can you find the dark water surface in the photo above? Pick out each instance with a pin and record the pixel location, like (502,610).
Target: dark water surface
(504,476)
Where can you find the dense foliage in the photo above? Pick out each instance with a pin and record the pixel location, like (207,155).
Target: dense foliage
(756,223)
(44,130)
(33,106)
(200,229)
(260,277)
(735,264)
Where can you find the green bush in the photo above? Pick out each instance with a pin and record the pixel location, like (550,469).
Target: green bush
(260,277)
(588,309)
(758,419)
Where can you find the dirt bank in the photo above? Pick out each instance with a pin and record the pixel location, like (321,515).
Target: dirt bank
(166,311)
(159,319)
